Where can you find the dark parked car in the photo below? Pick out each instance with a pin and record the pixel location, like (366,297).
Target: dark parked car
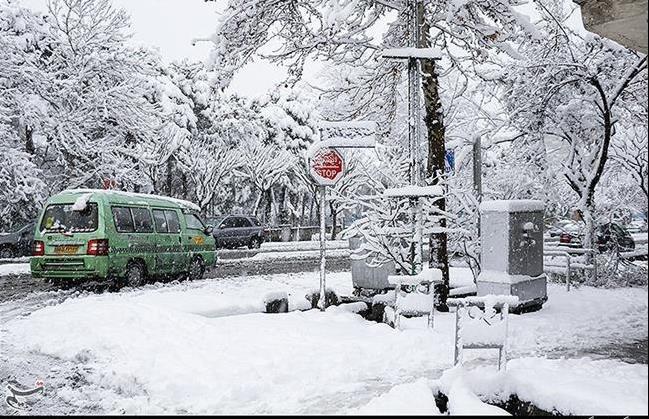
(17,242)
(561,227)
(609,236)
(238,230)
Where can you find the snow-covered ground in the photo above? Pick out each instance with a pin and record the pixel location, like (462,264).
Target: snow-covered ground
(640,238)
(14,269)
(206,347)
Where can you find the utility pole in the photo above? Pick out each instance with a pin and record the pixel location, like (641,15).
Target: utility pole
(436,133)
(414,129)
(414,101)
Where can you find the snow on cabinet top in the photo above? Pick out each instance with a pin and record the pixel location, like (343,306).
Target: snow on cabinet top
(518,205)
(414,191)
(87,193)
(430,53)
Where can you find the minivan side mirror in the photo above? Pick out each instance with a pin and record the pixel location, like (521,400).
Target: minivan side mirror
(208,230)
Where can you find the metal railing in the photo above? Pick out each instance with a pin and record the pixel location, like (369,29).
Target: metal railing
(568,253)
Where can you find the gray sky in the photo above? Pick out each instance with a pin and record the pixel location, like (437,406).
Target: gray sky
(171,25)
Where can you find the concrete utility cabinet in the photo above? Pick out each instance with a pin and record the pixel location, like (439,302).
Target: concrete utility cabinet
(512,251)
(624,21)
(365,276)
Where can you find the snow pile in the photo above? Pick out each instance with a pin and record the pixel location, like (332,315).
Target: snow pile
(406,399)
(386,298)
(134,195)
(192,348)
(488,300)
(518,205)
(255,363)
(463,402)
(82,202)
(479,327)
(427,275)
(14,269)
(349,308)
(565,386)
(205,347)
(415,302)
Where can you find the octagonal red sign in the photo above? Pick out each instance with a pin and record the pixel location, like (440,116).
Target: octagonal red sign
(327,166)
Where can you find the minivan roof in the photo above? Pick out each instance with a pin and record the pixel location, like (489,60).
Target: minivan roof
(130,196)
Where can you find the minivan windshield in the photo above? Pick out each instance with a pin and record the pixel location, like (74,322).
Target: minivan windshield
(61,217)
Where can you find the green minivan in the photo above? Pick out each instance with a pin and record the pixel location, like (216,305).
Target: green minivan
(121,237)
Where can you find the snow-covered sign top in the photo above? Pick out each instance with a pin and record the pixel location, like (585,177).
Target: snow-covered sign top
(88,192)
(340,143)
(518,205)
(346,134)
(414,191)
(366,125)
(430,53)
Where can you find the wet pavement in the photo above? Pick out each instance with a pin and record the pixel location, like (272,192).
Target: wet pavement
(15,287)
(630,352)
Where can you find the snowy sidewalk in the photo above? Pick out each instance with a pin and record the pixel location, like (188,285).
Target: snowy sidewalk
(205,347)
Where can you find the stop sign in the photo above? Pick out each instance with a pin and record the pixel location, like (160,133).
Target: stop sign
(327,167)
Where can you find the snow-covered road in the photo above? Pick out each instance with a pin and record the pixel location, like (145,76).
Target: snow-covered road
(205,347)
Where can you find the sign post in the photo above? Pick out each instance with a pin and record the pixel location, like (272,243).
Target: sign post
(326,168)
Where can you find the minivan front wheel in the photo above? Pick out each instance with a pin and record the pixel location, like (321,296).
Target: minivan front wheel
(196,269)
(135,275)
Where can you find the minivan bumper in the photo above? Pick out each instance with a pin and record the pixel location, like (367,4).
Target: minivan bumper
(69,267)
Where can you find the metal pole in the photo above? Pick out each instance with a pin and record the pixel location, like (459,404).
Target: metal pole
(414,86)
(477,167)
(323,250)
(414,120)
(567,272)
(477,173)
(419,236)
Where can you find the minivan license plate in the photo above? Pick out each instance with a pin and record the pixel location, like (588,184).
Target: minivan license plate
(66,250)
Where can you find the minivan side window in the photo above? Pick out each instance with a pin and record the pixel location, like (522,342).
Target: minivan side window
(142,219)
(160,221)
(193,222)
(123,220)
(172,221)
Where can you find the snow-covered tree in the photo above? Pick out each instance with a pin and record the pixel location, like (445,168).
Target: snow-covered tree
(22,189)
(289,118)
(629,153)
(570,92)
(342,32)
(101,121)
(25,45)
(265,167)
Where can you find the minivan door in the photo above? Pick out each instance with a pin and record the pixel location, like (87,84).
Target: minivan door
(179,256)
(164,243)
